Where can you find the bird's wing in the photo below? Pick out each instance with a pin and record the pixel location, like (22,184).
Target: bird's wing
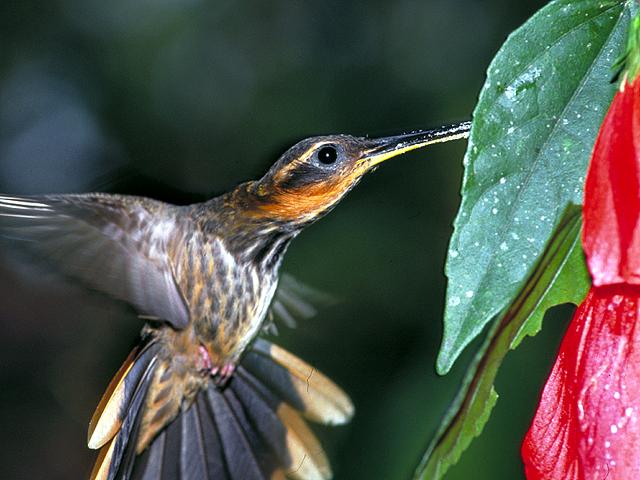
(294,300)
(115,244)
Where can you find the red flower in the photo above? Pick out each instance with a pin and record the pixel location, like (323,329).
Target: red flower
(587,425)
(612,194)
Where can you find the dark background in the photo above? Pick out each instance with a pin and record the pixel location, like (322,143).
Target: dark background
(183,99)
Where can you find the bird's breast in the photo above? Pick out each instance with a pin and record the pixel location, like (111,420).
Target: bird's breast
(228,296)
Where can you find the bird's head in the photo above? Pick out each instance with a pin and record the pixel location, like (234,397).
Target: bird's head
(311,177)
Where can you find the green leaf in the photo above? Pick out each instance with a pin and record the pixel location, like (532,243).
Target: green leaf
(533,130)
(560,277)
(629,63)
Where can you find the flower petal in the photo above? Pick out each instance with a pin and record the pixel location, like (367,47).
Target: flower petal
(611,237)
(588,422)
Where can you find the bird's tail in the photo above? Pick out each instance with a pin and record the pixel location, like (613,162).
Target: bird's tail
(253,429)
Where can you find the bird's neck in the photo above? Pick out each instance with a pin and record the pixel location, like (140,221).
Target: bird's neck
(249,236)
(265,209)
(288,209)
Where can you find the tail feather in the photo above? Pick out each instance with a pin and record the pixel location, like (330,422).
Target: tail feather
(107,418)
(252,429)
(216,463)
(299,384)
(193,460)
(149,463)
(188,449)
(301,453)
(309,461)
(243,450)
(128,439)
(172,449)
(124,441)
(120,447)
(102,464)
(161,460)
(114,405)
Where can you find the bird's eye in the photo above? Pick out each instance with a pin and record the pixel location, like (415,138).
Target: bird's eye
(327,155)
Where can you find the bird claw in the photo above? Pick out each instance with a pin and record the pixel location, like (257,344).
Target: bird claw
(204,363)
(221,374)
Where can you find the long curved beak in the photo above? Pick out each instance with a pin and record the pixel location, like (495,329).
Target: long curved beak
(387,147)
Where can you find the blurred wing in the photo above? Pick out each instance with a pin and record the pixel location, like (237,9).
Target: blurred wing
(115,244)
(295,301)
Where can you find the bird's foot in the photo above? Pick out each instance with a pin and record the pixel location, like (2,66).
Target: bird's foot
(220,374)
(204,362)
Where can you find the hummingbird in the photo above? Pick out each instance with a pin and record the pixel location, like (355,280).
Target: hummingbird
(202,396)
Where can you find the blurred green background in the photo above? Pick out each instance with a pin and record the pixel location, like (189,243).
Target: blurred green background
(181,100)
